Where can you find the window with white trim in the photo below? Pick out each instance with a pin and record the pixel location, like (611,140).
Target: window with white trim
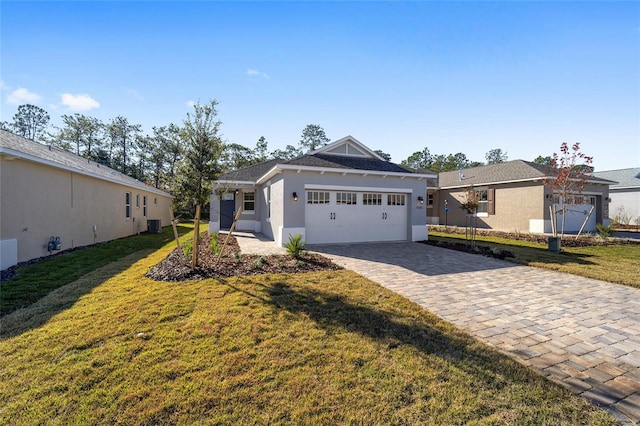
(348,198)
(248,201)
(137,201)
(369,199)
(144,206)
(317,197)
(395,199)
(127,205)
(482,201)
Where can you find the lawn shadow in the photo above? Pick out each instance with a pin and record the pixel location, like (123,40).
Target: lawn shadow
(333,312)
(33,307)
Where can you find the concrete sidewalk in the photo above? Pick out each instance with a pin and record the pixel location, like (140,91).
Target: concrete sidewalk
(579,332)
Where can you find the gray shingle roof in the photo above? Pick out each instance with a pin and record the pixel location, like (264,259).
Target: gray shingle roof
(253,173)
(516,170)
(625,178)
(56,157)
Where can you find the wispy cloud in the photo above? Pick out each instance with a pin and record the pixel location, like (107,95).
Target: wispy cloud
(135,94)
(3,86)
(256,73)
(81,102)
(190,103)
(22,96)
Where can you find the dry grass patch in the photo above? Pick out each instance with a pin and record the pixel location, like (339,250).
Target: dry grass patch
(316,348)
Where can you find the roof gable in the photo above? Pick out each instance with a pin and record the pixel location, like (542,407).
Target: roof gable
(349,147)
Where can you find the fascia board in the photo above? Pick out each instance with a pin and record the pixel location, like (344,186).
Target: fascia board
(53,164)
(281,167)
(503,182)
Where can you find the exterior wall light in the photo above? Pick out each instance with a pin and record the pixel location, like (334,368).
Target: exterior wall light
(295,196)
(421,199)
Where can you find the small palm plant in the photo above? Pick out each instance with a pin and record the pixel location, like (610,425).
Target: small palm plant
(295,245)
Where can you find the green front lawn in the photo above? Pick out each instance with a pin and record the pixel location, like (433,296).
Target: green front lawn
(114,347)
(614,263)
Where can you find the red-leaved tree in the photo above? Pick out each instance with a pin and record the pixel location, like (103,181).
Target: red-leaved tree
(570,171)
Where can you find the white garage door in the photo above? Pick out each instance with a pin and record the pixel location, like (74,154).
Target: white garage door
(345,217)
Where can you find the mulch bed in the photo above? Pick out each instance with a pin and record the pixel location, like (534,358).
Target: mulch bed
(233,263)
(468,248)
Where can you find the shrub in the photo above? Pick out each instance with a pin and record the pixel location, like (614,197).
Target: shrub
(295,245)
(604,230)
(214,245)
(187,249)
(258,263)
(238,257)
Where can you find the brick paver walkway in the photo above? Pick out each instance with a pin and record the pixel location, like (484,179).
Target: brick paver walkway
(579,332)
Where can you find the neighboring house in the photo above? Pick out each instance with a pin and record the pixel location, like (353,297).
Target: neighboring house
(513,197)
(625,194)
(343,192)
(46,192)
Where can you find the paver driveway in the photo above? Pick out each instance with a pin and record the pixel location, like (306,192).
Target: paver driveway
(580,332)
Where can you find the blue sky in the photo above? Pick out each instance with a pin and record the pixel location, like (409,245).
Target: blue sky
(398,76)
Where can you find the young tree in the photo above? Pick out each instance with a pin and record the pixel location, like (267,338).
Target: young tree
(568,174)
(30,121)
(496,156)
(203,148)
(313,137)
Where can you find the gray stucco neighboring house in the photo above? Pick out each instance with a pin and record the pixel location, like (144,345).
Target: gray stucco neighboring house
(513,197)
(49,193)
(342,192)
(624,194)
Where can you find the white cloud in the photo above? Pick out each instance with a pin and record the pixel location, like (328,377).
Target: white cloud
(190,104)
(256,73)
(3,86)
(23,96)
(81,102)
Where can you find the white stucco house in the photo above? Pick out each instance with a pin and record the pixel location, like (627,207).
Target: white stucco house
(624,194)
(341,193)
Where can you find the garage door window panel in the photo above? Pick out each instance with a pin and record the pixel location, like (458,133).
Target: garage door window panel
(346,198)
(317,197)
(396,199)
(371,199)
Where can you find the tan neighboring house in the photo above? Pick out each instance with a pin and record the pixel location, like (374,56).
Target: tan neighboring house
(49,193)
(514,198)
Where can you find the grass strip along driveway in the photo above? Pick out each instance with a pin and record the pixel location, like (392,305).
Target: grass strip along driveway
(315,348)
(613,263)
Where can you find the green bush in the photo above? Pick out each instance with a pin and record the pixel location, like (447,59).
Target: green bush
(187,249)
(604,230)
(295,245)
(214,245)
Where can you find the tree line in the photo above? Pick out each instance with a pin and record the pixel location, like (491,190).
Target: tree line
(184,159)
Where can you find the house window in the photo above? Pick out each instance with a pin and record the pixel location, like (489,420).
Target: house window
(395,199)
(317,197)
(155,200)
(349,198)
(268,201)
(429,200)
(249,201)
(482,201)
(372,199)
(137,201)
(144,206)
(127,205)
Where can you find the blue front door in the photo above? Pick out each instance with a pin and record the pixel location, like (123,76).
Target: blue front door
(227,210)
